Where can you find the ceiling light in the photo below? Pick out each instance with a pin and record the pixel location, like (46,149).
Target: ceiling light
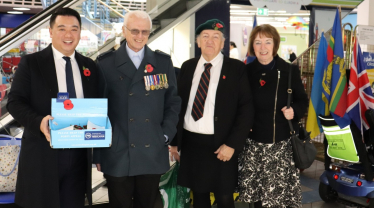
(234,7)
(14,12)
(241,13)
(280,11)
(22,8)
(247,11)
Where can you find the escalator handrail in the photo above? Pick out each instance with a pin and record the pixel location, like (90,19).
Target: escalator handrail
(25,26)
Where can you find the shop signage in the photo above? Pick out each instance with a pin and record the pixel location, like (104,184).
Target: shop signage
(290,6)
(365,34)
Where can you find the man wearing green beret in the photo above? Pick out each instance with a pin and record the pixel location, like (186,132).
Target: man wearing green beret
(215,119)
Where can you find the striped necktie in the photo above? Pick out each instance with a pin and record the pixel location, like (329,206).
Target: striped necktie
(201,93)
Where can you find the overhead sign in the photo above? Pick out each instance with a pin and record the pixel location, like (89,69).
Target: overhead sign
(334,3)
(365,34)
(262,12)
(290,6)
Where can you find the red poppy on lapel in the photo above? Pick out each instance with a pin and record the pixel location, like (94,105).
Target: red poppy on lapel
(224,77)
(149,68)
(68,105)
(262,82)
(86,72)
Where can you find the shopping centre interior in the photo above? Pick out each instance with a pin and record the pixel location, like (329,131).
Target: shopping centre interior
(24,30)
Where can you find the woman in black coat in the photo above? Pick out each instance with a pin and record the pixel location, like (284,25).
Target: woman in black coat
(268,176)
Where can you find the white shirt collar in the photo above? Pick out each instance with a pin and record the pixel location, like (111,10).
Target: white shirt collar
(58,55)
(132,53)
(214,61)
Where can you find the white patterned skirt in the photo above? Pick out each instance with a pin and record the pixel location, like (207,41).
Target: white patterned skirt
(267,173)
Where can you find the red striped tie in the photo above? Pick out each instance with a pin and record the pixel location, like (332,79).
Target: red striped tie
(201,93)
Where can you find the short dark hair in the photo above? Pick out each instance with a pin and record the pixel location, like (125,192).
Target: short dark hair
(269,32)
(65,12)
(232,44)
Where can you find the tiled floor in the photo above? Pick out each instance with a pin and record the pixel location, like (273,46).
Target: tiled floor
(309,182)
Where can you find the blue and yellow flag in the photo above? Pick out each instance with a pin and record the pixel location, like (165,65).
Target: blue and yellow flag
(316,105)
(334,77)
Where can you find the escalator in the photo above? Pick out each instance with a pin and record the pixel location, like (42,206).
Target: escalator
(98,34)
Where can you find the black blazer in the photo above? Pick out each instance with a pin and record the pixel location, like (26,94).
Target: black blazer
(34,84)
(233,113)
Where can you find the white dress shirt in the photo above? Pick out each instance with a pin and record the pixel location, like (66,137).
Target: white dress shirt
(205,125)
(61,73)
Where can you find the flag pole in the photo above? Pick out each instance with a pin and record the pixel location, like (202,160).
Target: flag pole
(340,19)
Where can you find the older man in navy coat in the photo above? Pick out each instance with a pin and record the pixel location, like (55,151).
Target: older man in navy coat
(143,107)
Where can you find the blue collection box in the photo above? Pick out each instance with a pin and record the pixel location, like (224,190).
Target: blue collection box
(81,112)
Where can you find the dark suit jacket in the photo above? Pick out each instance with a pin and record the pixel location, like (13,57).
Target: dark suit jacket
(139,118)
(35,83)
(233,113)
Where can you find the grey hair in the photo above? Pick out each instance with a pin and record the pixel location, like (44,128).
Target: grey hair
(198,36)
(138,14)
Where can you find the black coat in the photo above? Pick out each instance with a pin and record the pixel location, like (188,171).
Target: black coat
(233,113)
(35,83)
(265,97)
(233,119)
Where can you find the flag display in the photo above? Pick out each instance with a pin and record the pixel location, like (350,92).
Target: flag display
(334,78)
(316,105)
(360,97)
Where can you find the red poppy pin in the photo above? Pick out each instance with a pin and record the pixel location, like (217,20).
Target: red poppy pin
(148,68)
(86,72)
(262,82)
(224,77)
(218,26)
(68,105)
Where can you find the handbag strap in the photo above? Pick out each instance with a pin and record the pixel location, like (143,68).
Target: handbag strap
(289,91)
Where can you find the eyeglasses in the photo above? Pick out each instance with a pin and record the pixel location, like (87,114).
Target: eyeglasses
(136,32)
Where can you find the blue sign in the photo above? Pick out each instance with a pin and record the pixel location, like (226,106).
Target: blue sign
(62,96)
(94,135)
(368,60)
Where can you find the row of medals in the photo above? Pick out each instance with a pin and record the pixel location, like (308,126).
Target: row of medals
(155,82)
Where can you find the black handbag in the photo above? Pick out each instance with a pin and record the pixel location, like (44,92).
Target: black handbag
(304,151)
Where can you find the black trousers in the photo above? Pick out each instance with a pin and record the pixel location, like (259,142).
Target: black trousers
(134,191)
(72,171)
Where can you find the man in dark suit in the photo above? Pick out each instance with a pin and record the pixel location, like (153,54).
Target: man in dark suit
(58,178)
(215,119)
(143,108)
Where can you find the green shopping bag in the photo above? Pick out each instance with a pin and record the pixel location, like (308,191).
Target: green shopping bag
(173,195)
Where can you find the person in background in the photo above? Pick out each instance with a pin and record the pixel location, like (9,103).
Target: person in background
(141,88)
(52,177)
(268,176)
(292,55)
(234,53)
(215,119)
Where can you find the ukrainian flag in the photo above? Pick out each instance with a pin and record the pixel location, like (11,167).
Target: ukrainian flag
(316,105)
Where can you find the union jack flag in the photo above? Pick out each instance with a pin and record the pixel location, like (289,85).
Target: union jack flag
(360,98)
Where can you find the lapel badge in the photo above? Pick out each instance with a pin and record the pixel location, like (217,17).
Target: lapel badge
(148,68)
(86,72)
(224,77)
